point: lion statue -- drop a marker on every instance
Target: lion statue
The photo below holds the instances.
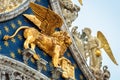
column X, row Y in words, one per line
column 54, row 45
column 52, row 42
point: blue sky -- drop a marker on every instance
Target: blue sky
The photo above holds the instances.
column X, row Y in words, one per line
column 103, row 15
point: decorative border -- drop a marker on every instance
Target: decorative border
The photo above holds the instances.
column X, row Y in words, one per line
column 73, row 48
column 11, row 14
column 14, row 65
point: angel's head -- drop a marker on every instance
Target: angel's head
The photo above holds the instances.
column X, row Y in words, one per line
column 87, row 31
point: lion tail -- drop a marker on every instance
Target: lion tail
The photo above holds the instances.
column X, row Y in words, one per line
column 6, row 37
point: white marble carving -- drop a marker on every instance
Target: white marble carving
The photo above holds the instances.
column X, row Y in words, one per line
column 11, row 69
column 6, row 14
column 69, row 11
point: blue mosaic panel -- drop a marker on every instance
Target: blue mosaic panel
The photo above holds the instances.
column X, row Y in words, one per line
column 12, row 48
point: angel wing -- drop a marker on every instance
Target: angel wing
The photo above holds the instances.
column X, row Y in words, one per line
column 80, row 1
column 105, row 46
column 49, row 19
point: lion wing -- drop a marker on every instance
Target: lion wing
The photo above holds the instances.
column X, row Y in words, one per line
column 49, row 19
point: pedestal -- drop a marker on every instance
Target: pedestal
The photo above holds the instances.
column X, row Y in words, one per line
column 27, row 54
column 56, row 73
column 40, row 64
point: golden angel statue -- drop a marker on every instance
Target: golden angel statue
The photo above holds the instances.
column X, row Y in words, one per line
column 53, row 42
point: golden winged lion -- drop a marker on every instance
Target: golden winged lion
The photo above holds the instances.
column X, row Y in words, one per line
column 54, row 43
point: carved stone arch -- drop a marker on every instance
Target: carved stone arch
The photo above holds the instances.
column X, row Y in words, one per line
column 15, row 70
column 6, row 15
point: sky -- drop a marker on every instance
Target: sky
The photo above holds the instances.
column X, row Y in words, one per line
column 104, row 16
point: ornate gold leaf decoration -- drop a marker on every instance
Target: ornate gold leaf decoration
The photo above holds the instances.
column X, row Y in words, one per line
column 9, row 5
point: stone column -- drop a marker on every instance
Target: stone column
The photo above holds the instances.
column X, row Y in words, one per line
column 56, row 73
column 3, row 75
column 27, row 53
column 40, row 64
